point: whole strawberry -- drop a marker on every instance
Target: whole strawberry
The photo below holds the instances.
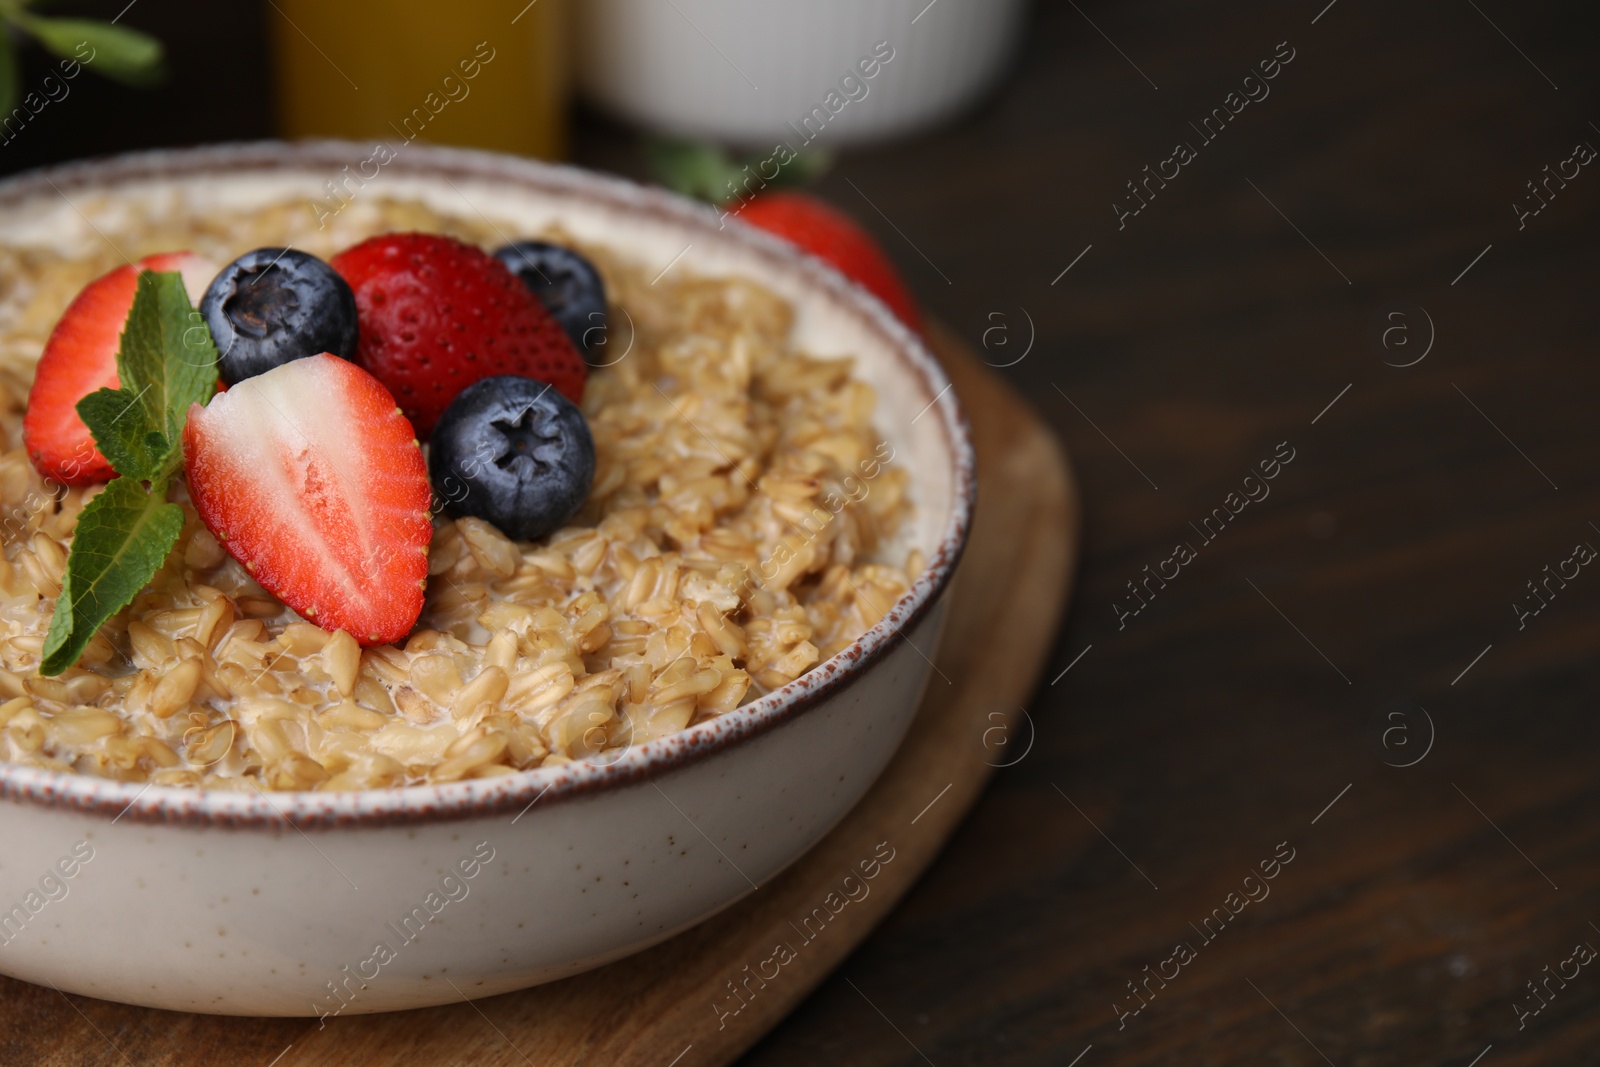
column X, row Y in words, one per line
column 831, row 235
column 437, row 315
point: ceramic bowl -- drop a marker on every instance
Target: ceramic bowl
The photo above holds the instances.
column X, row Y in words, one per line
column 318, row 903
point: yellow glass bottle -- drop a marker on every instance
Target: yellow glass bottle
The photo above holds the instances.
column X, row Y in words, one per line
column 479, row 73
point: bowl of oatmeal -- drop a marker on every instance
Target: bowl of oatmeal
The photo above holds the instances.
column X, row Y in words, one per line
column 590, row 741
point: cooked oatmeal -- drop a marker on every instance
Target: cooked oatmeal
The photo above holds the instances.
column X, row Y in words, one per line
column 740, row 530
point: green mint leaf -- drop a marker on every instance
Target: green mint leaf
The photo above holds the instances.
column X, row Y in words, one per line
column 117, row 52
column 167, row 361
column 118, row 424
column 10, row 76
column 123, row 537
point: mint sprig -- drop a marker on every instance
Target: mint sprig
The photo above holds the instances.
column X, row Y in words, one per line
column 166, row 362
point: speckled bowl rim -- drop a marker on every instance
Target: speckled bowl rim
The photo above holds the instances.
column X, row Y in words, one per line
column 415, row 805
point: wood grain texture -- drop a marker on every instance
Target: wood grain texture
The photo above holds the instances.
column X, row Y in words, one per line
column 1188, row 344
column 645, row 1010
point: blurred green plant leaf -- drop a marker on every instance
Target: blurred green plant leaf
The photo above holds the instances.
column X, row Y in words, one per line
column 117, row 52
column 806, row 167
column 694, row 169
column 708, row 172
column 10, row 78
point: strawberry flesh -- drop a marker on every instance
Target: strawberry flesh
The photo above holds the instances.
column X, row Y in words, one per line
column 311, row 477
column 81, row 357
column 437, row 315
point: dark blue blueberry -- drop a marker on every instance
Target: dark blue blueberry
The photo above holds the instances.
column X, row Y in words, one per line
column 514, row 452
column 567, row 285
column 274, row 305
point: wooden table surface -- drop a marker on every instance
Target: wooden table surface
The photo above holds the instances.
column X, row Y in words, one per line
column 1349, row 671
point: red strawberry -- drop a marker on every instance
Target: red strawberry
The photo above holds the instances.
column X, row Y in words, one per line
column 310, row 477
column 80, row 357
column 831, row 235
column 437, row 315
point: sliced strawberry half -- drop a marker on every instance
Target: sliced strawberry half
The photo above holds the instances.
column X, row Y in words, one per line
column 311, row 477
column 80, row 357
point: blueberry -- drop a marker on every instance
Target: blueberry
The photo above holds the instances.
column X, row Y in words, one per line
column 568, row 286
column 274, row 305
column 514, row 452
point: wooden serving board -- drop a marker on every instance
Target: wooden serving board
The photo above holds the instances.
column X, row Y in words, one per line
column 645, row 1010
